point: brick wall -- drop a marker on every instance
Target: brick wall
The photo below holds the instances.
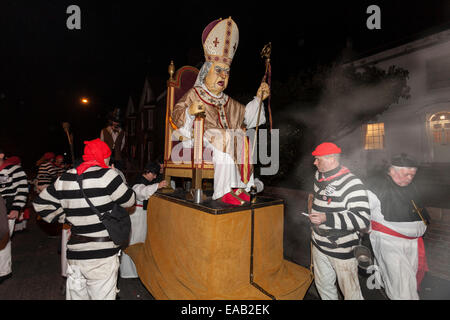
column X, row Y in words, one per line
column 437, row 242
column 297, row 232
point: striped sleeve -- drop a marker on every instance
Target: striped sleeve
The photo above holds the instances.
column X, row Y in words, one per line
column 48, row 205
column 20, row 184
column 354, row 200
column 120, row 192
column 44, row 174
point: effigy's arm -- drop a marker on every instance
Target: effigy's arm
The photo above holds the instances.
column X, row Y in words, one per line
column 181, row 117
column 179, row 111
column 251, row 113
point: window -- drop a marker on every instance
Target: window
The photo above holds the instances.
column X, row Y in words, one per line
column 374, row 138
column 440, row 128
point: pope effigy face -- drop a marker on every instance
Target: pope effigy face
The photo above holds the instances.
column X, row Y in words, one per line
column 217, row 78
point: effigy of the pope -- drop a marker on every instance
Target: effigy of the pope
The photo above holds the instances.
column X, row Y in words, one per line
column 226, row 243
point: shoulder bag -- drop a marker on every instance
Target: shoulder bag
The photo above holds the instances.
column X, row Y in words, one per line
column 117, row 221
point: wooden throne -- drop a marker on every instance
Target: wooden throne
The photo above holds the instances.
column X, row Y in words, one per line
column 195, row 162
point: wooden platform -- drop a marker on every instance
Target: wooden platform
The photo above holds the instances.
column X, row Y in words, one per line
column 216, row 251
column 217, row 207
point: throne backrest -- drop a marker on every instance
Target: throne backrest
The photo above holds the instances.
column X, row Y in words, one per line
column 177, row 86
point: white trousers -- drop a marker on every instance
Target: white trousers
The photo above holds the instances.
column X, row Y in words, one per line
column 93, row 279
column 5, row 253
column 226, row 175
column 22, row 225
column 64, row 239
column 138, row 234
column 326, row 269
column 397, row 259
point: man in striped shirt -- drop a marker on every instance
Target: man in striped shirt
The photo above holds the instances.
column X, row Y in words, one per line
column 93, row 258
column 14, row 190
column 340, row 211
column 47, row 172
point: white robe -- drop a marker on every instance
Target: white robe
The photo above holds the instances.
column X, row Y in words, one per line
column 397, row 258
column 5, row 253
column 226, row 174
column 138, row 228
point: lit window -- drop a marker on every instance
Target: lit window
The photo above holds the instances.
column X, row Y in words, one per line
column 440, row 128
column 374, row 138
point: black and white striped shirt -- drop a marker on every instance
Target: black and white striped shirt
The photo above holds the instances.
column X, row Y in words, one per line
column 47, row 173
column 14, row 187
column 63, row 201
column 343, row 198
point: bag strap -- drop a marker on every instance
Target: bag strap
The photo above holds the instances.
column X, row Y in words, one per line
column 80, row 183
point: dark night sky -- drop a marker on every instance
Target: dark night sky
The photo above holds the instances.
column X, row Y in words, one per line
column 45, row 68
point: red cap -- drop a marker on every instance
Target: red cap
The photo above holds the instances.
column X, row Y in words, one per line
column 95, row 153
column 49, row 155
column 326, row 148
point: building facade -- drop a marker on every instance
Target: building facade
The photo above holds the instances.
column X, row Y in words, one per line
column 420, row 125
column 144, row 125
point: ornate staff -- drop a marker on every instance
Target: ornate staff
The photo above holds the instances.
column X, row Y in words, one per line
column 265, row 53
column 66, row 127
column 425, row 221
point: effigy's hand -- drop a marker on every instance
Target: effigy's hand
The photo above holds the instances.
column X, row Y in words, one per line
column 263, row 91
column 196, row 108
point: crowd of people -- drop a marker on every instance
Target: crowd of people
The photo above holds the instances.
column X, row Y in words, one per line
column 89, row 258
column 386, row 208
column 344, row 209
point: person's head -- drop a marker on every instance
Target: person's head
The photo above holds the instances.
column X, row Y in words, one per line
column 59, row 159
column 115, row 125
column 49, row 156
column 216, row 80
column 403, row 169
column 114, row 120
column 220, row 40
column 96, row 152
column 326, row 156
column 159, row 160
column 151, row 171
column 2, row 155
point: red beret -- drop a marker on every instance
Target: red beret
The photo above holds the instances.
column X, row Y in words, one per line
column 326, row 148
column 49, row 155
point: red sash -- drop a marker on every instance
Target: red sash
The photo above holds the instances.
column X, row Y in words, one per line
column 422, row 265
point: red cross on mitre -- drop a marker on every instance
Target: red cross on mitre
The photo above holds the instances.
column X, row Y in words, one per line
column 216, row 42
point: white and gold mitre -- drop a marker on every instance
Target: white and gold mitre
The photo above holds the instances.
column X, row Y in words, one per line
column 220, row 41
